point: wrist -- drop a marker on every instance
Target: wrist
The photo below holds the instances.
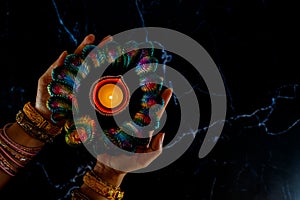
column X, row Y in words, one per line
column 100, row 183
column 16, row 149
column 43, row 110
column 36, row 125
column 18, row 134
column 108, row 174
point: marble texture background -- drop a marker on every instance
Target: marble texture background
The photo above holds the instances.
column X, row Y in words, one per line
column 254, row 44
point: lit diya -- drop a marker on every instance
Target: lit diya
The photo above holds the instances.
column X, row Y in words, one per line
column 110, row 95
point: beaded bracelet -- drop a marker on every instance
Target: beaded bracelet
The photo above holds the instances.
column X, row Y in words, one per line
column 99, row 186
column 36, row 125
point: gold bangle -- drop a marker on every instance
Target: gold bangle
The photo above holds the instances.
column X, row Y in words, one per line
column 78, row 195
column 36, row 125
column 99, row 186
column 31, row 130
column 39, row 121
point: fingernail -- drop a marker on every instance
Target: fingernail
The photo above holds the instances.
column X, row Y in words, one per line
column 90, row 38
column 62, row 54
column 107, row 37
column 162, row 138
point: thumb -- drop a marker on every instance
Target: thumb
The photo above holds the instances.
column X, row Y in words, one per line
column 157, row 142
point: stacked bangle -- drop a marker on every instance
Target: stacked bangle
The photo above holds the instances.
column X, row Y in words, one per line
column 36, row 125
column 99, row 186
column 78, row 195
column 14, row 156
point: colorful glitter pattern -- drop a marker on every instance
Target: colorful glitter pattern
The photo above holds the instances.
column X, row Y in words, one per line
column 77, row 67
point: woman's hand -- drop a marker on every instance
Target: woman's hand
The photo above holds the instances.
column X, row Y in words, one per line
column 112, row 169
column 134, row 161
column 42, row 91
column 120, row 163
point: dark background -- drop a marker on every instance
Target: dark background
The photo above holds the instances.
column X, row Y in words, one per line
column 254, row 44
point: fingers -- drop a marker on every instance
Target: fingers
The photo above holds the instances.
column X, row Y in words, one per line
column 46, row 77
column 157, row 142
column 166, row 96
column 89, row 39
column 42, row 92
column 108, row 38
column 61, row 58
column 153, row 151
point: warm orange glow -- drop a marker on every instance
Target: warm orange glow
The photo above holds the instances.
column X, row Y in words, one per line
column 110, row 95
